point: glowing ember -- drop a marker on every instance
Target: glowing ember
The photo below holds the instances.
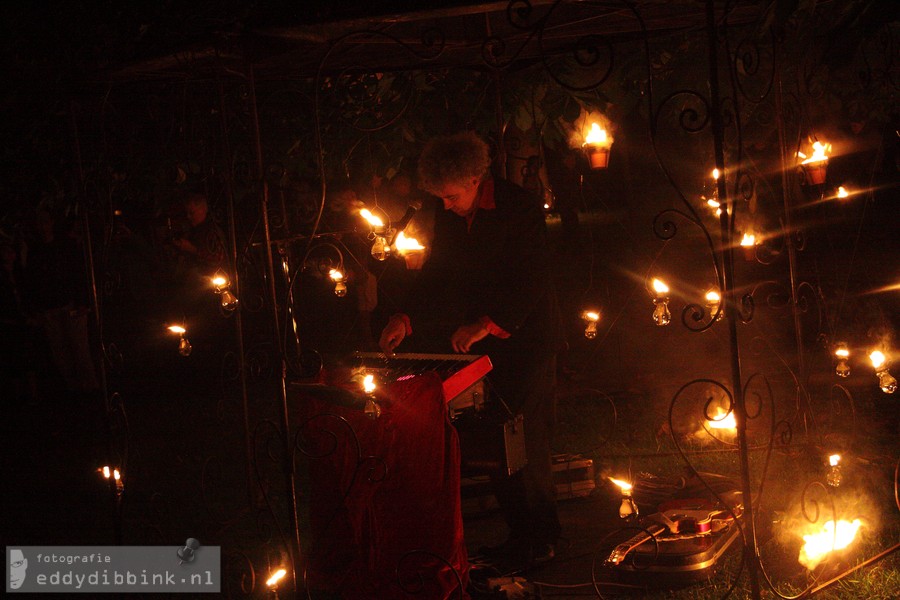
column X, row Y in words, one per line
column 623, row 485
column 659, row 287
column 842, row 192
column 722, row 420
column 369, row 384
column 404, row 244
column 597, row 136
column 820, row 151
column 819, row 544
column 276, row 577
column 590, row 315
column 336, row 275
column 177, row 329
column 878, row 359
column 834, row 459
column 372, row 219
column 748, row 240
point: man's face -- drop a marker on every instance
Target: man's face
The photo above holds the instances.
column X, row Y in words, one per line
column 196, row 212
column 17, row 566
column 459, row 196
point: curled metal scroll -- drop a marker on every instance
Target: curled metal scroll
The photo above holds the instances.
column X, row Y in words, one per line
column 411, row 579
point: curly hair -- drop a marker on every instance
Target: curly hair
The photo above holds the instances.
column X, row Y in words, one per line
column 452, row 159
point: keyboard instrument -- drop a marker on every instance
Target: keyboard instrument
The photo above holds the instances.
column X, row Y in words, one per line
column 462, row 374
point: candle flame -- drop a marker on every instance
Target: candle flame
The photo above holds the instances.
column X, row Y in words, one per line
column 276, row 577
column 372, row 219
column 834, row 459
column 116, row 475
column 818, row 544
column 597, row 136
column 748, row 240
column 404, row 244
column 623, row 485
column 590, row 315
column 715, row 173
column 842, row 192
column 722, row 420
column 177, row 329
column 659, row 287
column 820, row 151
column 105, row 470
column 369, row 383
column 336, row 275
column 878, row 359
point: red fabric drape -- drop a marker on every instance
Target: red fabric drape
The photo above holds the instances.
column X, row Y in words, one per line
column 385, row 514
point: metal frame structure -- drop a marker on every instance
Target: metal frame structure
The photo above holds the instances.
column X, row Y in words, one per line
column 271, row 444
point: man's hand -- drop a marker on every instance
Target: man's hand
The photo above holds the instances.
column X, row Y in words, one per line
column 463, row 338
column 391, row 336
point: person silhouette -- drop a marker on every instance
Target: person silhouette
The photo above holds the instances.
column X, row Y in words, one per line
column 18, row 565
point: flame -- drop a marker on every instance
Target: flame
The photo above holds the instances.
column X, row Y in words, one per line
column 819, row 153
column 369, row 383
column 722, row 420
column 713, row 203
column 834, row 459
column 597, row 136
column 336, row 275
column 404, row 244
column 878, row 359
column 177, row 329
column 842, row 192
column 276, row 577
column 748, row 240
column 715, row 173
column 713, row 297
column 116, row 475
column 659, row 287
column 841, row 351
column 623, row 485
column 590, row 315
column 821, row 543
column 105, row 470
column 219, row 281
column 372, row 219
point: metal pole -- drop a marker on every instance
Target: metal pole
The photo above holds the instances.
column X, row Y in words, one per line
column 235, row 278
column 282, row 391
column 95, row 317
column 727, row 252
column 789, row 240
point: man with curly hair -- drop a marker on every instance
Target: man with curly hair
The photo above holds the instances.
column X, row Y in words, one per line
column 487, row 289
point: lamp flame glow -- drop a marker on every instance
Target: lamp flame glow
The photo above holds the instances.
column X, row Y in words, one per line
column 598, row 137
column 722, row 420
column 715, row 174
column 372, row 219
column 623, row 485
column 659, row 287
column 834, row 459
column 818, row 545
column 404, row 244
column 369, row 383
column 177, row 329
column 275, row 578
column 878, row 359
column 820, row 151
column 842, row 192
column 748, row 240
